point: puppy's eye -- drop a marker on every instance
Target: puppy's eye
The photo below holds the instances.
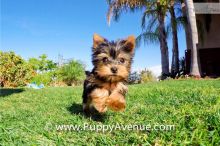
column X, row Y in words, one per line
column 105, row 59
column 122, row 60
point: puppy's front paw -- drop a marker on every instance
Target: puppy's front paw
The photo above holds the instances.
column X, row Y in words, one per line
column 122, row 88
column 116, row 102
column 99, row 97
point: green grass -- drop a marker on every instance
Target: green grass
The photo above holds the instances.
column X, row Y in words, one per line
column 29, row 117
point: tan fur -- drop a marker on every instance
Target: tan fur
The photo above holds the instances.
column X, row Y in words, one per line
column 102, row 55
column 97, row 40
column 130, row 42
column 104, row 70
column 99, row 97
column 116, row 101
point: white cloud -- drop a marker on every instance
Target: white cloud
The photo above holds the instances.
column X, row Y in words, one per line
column 156, row 70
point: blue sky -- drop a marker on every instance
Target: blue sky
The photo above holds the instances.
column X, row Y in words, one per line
column 33, row 27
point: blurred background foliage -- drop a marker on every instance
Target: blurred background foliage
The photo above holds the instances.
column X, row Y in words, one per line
column 16, row 72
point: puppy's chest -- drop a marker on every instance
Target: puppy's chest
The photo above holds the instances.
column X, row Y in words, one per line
column 109, row 86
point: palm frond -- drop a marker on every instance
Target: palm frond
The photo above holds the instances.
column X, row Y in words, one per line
column 109, row 14
column 181, row 22
column 152, row 24
column 151, row 15
column 147, row 37
column 116, row 7
column 168, row 31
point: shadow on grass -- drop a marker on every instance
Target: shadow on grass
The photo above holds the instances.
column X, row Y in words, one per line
column 77, row 109
column 9, row 91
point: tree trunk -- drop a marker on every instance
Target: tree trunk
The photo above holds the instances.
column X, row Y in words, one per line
column 194, row 69
column 175, row 55
column 187, row 31
column 163, row 47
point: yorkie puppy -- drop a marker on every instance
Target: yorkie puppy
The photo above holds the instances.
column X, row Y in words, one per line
column 105, row 86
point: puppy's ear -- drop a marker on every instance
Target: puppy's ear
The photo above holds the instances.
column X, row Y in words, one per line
column 129, row 44
column 97, row 40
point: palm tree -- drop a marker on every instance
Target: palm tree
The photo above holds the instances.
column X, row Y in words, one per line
column 175, row 50
column 156, row 12
column 193, row 37
column 161, row 12
column 178, row 20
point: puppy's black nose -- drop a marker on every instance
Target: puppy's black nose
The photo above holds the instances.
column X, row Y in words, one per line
column 114, row 70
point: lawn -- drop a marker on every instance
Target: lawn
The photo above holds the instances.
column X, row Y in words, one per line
column 33, row 117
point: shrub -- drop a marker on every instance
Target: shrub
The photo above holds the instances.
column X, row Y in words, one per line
column 147, row 76
column 72, row 73
column 45, row 69
column 134, row 78
column 42, row 64
column 44, row 78
column 14, row 71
